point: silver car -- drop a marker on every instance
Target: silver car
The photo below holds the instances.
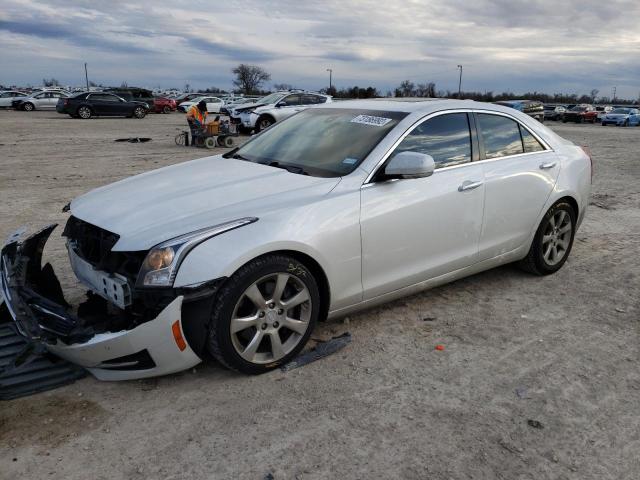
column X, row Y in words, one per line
column 46, row 100
column 336, row 209
column 9, row 96
column 265, row 115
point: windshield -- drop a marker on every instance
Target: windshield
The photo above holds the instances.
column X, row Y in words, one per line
column 621, row 110
column 322, row 142
column 274, row 97
column 579, row 109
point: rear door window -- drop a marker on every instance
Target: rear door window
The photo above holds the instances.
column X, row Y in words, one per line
column 501, row 136
column 529, row 142
column 446, row 138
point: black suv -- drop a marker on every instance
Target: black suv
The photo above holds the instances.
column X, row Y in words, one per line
column 101, row 104
column 134, row 94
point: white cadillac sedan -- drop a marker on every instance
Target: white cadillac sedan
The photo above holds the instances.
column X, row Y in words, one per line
column 333, row 210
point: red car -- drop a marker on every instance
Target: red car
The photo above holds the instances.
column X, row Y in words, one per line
column 580, row 114
column 164, row 105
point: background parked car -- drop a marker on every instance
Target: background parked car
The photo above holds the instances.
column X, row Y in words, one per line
column 186, row 97
column 602, row 111
column 134, row 94
column 164, row 105
column 214, row 104
column 86, row 105
column 554, row 112
column 264, row 116
column 580, row 114
column 622, row 117
column 45, row 100
column 532, row 108
column 8, row 96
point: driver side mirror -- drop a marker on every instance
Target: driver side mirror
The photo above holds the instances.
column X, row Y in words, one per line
column 410, row 165
column 281, row 104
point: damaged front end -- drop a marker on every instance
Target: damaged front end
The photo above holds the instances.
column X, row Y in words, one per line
column 119, row 332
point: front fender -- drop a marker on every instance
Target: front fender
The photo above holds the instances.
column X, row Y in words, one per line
column 329, row 235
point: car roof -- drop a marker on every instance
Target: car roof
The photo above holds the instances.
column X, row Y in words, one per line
column 411, row 105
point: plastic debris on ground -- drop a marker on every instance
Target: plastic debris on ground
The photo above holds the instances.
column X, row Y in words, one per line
column 321, row 350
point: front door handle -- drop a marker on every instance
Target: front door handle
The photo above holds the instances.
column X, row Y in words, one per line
column 468, row 185
column 547, row 166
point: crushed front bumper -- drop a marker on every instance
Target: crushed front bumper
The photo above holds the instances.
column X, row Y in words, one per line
column 34, row 299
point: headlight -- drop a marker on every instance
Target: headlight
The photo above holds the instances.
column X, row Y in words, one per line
column 161, row 264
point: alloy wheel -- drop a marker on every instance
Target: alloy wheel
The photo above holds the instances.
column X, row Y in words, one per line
column 271, row 318
column 557, row 238
column 265, row 123
column 84, row 112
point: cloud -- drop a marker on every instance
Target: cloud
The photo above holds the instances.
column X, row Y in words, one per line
column 518, row 45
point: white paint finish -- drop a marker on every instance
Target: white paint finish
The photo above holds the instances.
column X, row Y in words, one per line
column 516, row 191
column 324, row 227
column 156, row 336
column 148, row 209
column 419, row 228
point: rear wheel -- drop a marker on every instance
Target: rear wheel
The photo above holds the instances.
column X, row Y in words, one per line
column 166, row 109
column 264, row 314
column 84, row 112
column 553, row 241
column 28, row 107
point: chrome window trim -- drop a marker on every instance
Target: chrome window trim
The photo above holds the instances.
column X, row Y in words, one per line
column 545, row 145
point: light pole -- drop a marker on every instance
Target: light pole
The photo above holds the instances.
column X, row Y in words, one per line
column 613, row 91
column 86, row 76
column 330, row 74
column 460, row 82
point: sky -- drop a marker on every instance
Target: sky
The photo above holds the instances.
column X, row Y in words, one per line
column 570, row 46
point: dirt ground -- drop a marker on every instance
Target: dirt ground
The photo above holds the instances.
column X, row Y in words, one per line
column 561, row 350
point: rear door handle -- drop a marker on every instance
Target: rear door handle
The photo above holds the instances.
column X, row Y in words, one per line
column 547, row 166
column 469, row 185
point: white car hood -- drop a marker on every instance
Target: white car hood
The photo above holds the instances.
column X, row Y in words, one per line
column 150, row 208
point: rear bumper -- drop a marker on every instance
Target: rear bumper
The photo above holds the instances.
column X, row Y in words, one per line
column 34, row 299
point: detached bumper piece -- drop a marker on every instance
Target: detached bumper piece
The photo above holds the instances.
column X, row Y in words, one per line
column 26, row 368
column 99, row 342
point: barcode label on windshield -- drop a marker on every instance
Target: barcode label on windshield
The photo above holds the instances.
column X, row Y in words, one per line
column 371, row 120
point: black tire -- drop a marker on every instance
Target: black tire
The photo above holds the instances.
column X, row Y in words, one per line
column 166, row 109
column 84, row 112
column 626, row 123
column 535, row 262
column 139, row 112
column 580, row 119
column 28, row 107
column 220, row 341
column 564, row 120
column 244, row 130
column 263, row 123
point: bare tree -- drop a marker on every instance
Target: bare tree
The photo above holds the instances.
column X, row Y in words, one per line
column 50, row 82
column 283, row 86
column 426, row 90
column 249, row 78
column 406, row 89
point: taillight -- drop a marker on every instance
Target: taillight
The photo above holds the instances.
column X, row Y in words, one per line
column 587, row 151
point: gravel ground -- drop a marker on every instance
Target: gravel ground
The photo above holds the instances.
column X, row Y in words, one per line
column 560, row 350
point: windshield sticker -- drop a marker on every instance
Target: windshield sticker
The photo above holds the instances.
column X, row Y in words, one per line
column 350, row 161
column 371, row 120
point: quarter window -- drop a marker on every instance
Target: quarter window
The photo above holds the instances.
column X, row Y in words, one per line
column 530, row 143
column 501, row 136
column 446, row 138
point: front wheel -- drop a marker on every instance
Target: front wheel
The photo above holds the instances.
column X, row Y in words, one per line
column 166, row 109
column 28, row 107
column 553, row 241
column 139, row 112
column 264, row 314
column 263, row 123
